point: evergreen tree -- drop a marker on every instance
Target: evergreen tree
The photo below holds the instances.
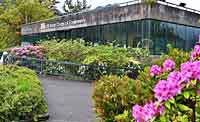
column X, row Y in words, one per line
column 71, row 6
column 51, row 4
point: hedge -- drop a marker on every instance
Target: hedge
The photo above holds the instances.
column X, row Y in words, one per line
column 21, row 94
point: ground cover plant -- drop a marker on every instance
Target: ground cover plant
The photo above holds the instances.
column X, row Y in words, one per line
column 21, row 94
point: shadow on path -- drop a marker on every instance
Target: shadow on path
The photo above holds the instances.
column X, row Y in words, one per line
column 69, row 101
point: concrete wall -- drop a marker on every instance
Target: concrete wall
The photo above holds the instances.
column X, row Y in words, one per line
column 114, row 14
column 176, row 15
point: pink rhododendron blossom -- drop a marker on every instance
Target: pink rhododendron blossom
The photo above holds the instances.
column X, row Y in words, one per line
column 168, row 65
column 190, row 71
column 155, row 70
column 148, row 111
column 174, row 77
column 167, row 89
column 28, row 51
column 138, row 113
column 196, row 53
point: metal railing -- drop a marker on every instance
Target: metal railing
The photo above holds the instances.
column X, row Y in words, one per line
column 71, row 71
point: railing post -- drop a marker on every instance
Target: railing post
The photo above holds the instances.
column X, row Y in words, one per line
column 41, row 66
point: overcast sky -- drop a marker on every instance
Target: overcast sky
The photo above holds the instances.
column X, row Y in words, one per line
column 195, row 4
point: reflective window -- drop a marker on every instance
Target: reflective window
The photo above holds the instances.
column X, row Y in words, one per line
column 153, row 34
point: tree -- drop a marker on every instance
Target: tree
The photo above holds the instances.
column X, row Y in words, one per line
column 14, row 14
column 70, row 6
column 51, row 4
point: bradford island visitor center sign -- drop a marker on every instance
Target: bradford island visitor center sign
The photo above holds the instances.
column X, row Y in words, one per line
column 50, row 26
column 46, row 27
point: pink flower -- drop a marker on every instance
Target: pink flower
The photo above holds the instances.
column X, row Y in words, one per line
column 190, row 71
column 155, row 70
column 174, row 77
column 28, row 51
column 148, row 111
column 196, row 52
column 168, row 65
column 165, row 90
column 138, row 113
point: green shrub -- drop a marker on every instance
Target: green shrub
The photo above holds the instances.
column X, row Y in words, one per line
column 100, row 59
column 79, row 51
column 108, row 56
column 147, row 82
column 178, row 55
column 125, row 117
column 113, row 95
column 65, row 50
column 21, row 94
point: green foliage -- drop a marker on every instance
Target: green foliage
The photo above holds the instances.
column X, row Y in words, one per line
column 21, row 94
column 178, row 109
column 177, row 55
column 74, row 51
column 150, row 2
column 147, row 82
column 125, row 117
column 112, row 96
column 79, row 51
column 109, row 56
column 14, row 14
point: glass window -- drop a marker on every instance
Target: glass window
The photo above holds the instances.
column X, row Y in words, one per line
column 181, row 36
column 190, row 38
column 152, row 33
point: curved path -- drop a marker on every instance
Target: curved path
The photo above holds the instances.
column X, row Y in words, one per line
column 69, row 101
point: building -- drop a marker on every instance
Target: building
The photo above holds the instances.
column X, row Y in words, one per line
column 131, row 24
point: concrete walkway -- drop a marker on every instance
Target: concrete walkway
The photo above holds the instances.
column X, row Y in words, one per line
column 69, row 101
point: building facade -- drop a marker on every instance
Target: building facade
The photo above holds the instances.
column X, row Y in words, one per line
column 133, row 24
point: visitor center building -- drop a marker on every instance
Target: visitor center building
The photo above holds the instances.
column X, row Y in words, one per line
column 131, row 24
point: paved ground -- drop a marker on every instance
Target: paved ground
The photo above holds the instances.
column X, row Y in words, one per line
column 69, row 101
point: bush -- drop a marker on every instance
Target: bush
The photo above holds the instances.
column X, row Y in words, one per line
column 79, row 51
column 28, row 51
column 147, row 82
column 178, row 55
column 112, row 96
column 135, row 91
column 99, row 59
column 21, row 94
column 109, row 56
column 65, row 50
column 175, row 89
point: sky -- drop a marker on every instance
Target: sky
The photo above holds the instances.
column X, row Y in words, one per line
column 195, row 4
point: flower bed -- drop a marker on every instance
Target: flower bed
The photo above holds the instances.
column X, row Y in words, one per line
column 112, row 100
